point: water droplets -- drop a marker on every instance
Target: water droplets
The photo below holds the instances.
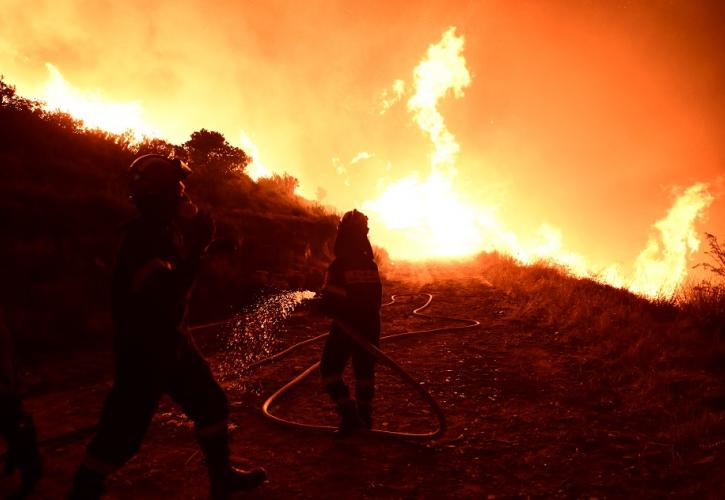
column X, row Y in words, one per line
column 255, row 332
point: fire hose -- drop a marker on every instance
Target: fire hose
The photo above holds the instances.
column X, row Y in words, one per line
column 381, row 357
column 82, row 432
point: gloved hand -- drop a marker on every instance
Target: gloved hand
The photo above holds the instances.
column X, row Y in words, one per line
column 328, row 305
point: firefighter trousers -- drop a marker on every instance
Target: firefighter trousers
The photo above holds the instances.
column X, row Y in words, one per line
column 134, row 398
column 339, row 348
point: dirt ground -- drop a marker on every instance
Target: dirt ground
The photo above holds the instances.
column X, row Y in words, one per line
column 524, row 418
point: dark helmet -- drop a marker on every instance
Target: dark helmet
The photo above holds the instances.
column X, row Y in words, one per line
column 354, row 222
column 153, row 175
column 352, row 235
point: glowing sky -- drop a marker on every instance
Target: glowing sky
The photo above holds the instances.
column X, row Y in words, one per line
column 581, row 114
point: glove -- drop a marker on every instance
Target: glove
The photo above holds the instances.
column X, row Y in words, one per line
column 330, row 305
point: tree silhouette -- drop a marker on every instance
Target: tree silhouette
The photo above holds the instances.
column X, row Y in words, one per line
column 9, row 98
column 209, row 154
column 156, row 146
column 63, row 202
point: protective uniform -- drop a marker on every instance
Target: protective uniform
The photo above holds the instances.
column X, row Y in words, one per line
column 153, row 351
column 16, row 425
column 351, row 296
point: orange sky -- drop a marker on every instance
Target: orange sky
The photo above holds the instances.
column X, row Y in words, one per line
column 581, row 114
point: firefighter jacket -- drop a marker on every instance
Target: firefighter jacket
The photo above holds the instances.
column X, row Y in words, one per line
column 353, row 291
column 152, row 283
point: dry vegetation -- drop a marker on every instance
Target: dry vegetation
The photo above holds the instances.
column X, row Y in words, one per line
column 63, row 204
column 663, row 358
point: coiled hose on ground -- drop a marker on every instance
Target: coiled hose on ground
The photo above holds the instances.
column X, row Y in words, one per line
column 380, row 356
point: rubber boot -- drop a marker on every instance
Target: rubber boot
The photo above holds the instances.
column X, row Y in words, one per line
column 365, row 413
column 349, row 419
column 225, row 479
column 87, row 485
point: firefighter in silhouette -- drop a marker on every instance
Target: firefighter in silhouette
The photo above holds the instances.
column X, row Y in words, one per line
column 16, row 426
column 351, row 296
column 154, row 352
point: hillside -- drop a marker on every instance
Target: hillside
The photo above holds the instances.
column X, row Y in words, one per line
column 63, row 203
column 568, row 389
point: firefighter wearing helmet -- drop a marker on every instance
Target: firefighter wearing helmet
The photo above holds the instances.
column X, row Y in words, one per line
column 154, row 352
column 351, row 296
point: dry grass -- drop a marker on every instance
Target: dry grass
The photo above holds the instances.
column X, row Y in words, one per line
column 664, row 360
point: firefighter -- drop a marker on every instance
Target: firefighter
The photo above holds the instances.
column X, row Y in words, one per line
column 153, row 350
column 351, row 296
column 16, row 425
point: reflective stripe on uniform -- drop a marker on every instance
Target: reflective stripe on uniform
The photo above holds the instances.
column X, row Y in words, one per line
column 148, row 269
column 100, row 466
column 361, row 276
column 212, row 429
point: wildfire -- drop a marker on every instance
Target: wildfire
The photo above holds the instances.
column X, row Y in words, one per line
column 429, row 218
column 662, row 265
column 256, row 168
column 417, row 219
column 93, row 108
column 425, row 219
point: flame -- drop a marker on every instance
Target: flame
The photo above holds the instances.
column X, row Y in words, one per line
column 418, row 219
column 433, row 220
column 444, row 69
column 390, row 96
column 256, row 168
column 662, row 265
column 423, row 219
column 93, row 108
